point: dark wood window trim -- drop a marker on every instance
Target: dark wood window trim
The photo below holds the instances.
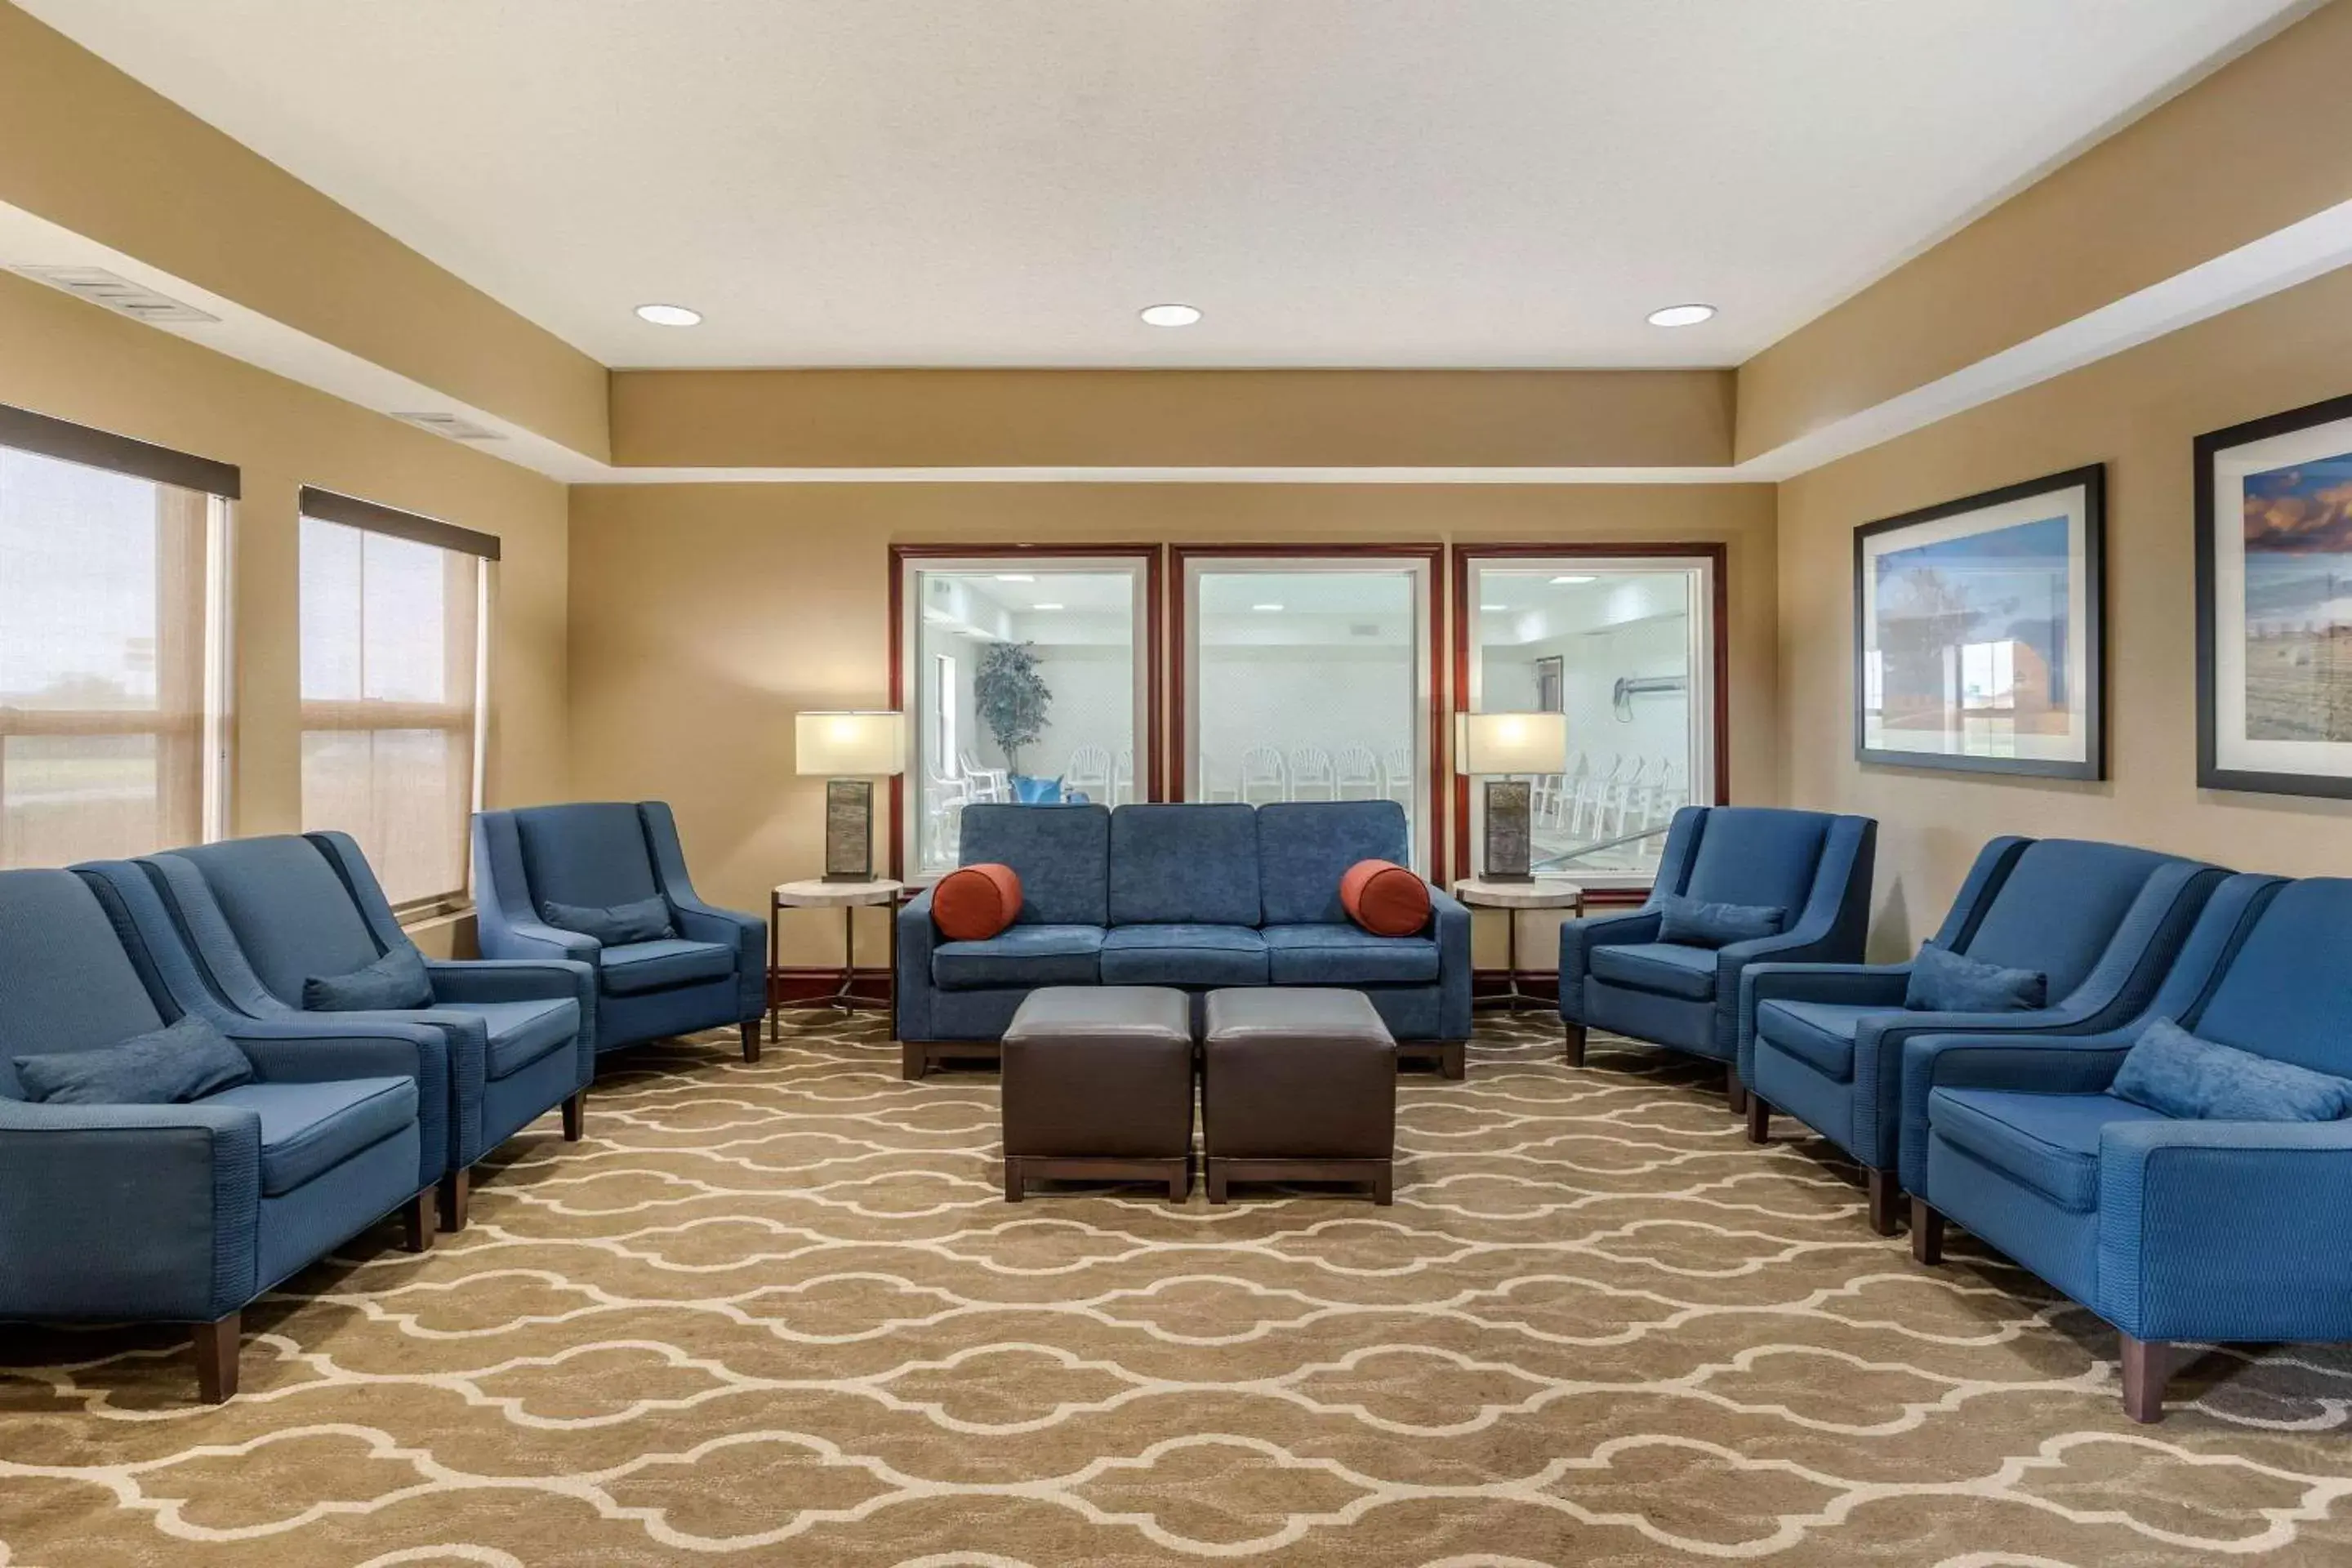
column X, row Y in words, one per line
column 29, row 432
column 1432, row 555
column 1151, row 753
column 375, row 518
column 1466, row 556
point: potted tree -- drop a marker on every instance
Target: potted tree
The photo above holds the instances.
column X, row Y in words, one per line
column 1013, row 701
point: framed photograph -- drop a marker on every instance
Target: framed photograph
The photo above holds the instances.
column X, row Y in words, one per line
column 2275, row 604
column 1976, row 636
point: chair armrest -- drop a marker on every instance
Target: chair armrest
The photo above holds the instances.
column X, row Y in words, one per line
column 910, row 990
column 2225, row 1229
column 747, row 934
column 457, row 981
column 1579, row 937
column 536, row 941
column 2050, row 1064
column 1449, row 924
column 316, row 1047
column 129, row 1211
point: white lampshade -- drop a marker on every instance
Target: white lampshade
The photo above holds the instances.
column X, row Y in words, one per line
column 862, row 744
column 1510, row 743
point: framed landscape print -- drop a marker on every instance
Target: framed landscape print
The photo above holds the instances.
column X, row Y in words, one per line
column 2275, row 604
column 1977, row 638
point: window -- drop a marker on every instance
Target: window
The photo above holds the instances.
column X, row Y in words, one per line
column 392, row 615
column 112, row 598
column 1625, row 646
column 1310, row 677
column 1032, row 677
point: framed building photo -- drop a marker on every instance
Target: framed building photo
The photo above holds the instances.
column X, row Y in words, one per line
column 2275, row 604
column 1977, row 640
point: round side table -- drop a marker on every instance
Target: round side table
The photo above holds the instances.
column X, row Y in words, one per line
column 1511, row 897
column 816, row 893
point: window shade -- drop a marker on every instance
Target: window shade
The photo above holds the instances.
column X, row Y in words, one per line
column 391, row 633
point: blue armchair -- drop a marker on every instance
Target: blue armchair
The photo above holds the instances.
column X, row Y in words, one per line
column 600, row 855
column 1824, row 1042
column 1614, row 972
column 187, row 1213
column 262, row 915
column 2170, row 1230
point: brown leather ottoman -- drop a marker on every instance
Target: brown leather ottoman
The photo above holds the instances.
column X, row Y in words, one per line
column 1097, row 1084
column 1297, row 1085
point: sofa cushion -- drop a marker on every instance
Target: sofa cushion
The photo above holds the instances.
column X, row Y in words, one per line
column 1304, row 846
column 1385, row 899
column 1062, row 854
column 1320, row 955
column 71, row 986
column 1943, row 980
column 2048, row 1142
column 396, row 982
column 1690, row 923
column 289, row 908
column 1183, row 953
column 1664, row 967
column 2059, row 907
column 1023, row 955
column 2284, row 994
column 171, row 1066
column 639, row 920
column 973, row 903
column 1757, row 855
column 1817, row 1034
column 2171, row 1070
column 637, row 966
column 522, row 1032
column 1184, row 865
column 588, row 854
column 308, row 1129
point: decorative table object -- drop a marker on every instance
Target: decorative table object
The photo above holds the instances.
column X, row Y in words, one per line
column 823, row 893
column 1503, row 744
column 849, row 751
column 1487, row 893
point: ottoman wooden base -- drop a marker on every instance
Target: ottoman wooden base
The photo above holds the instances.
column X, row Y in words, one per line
column 1379, row 1173
column 1020, row 1170
column 1450, row 1057
column 917, row 1057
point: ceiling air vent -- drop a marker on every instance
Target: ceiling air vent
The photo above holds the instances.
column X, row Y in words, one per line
column 116, row 292
column 451, row 426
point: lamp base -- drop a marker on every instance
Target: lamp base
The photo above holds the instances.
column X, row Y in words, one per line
column 849, row 830
column 1509, row 804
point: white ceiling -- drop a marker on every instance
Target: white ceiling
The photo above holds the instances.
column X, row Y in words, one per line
column 1334, row 182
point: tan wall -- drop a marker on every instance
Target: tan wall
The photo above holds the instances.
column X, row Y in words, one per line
column 1172, row 418
column 2137, row 413
column 705, row 616
column 77, row 361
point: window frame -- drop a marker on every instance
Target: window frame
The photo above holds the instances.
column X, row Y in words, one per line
column 908, row 561
column 1425, row 563
column 1710, row 557
column 319, row 505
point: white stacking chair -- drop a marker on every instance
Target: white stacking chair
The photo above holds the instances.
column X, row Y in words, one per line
column 1089, row 773
column 1358, row 775
column 985, row 785
column 1312, row 777
column 1396, row 775
column 1262, row 777
column 1122, row 778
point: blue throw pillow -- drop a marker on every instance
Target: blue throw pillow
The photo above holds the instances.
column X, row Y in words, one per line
column 647, row 919
column 1027, row 791
column 1691, row 923
column 2171, row 1070
column 396, row 983
column 170, row 1066
column 1943, row 980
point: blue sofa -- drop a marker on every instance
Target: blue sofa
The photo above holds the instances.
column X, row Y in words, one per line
column 1198, row 896
column 1614, row 972
column 262, row 915
column 600, row 854
column 2170, row 1230
column 1824, row 1042
column 187, row 1213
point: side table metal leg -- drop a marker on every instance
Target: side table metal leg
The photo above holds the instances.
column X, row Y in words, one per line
column 775, row 950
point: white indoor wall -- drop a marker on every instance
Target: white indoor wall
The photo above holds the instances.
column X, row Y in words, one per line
column 1591, row 663
column 1094, row 704
column 1330, row 696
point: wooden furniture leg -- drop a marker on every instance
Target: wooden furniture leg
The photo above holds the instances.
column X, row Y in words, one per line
column 1575, row 1045
column 575, row 1117
column 456, row 1193
column 751, row 1041
column 2147, row 1367
column 1884, row 1194
column 1453, row 1058
column 913, row 1060
column 1760, row 1119
column 1735, row 1091
column 216, row 1356
column 1927, row 1233
column 1015, row 1188
column 416, row 1223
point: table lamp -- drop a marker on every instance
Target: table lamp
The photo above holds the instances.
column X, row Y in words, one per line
column 1498, row 745
column 849, row 751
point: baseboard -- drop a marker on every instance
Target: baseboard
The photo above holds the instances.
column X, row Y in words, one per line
column 804, row 987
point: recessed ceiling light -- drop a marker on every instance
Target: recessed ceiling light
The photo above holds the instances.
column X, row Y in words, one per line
column 1170, row 315
column 1049, row 606
column 1681, row 315
column 669, row 315
column 1265, row 607
column 1493, row 606
column 1572, row 580
column 1014, row 577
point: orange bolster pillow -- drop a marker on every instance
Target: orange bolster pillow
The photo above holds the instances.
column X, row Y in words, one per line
column 973, row 903
column 1385, row 899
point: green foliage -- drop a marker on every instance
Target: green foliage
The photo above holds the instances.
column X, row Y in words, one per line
column 1011, row 697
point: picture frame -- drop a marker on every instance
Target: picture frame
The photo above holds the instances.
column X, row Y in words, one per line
column 2273, row 632
column 1979, row 632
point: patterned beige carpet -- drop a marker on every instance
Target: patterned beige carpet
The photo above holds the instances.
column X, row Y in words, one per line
column 780, row 1315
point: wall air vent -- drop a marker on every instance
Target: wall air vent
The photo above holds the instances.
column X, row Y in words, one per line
column 451, row 426
column 116, row 292
column 1364, row 629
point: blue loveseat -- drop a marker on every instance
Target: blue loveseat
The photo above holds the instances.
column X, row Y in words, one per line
column 1615, row 972
column 1195, row 897
column 186, row 1213
column 2170, row 1230
column 712, row 974
column 1824, row 1042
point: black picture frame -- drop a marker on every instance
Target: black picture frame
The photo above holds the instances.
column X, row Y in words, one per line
column 2092, row 480
column 2209, row 449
